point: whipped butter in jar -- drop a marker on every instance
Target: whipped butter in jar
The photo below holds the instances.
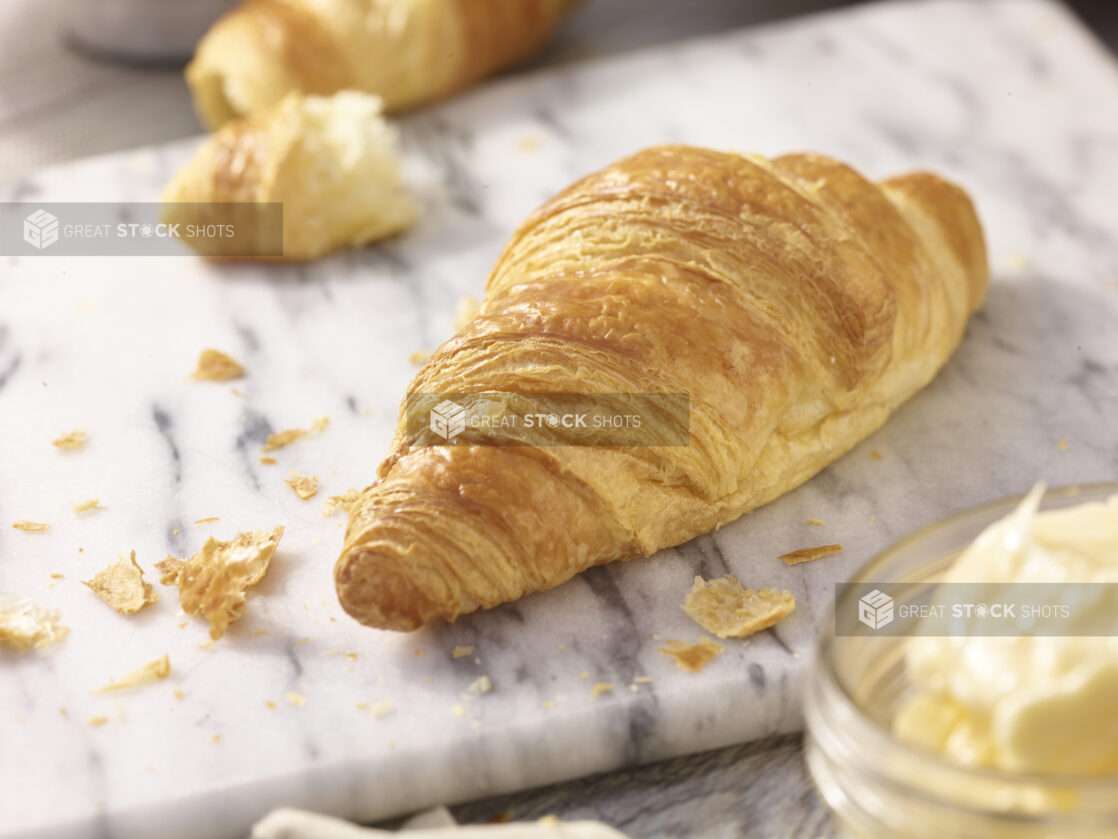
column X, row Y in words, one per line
column 950, row 723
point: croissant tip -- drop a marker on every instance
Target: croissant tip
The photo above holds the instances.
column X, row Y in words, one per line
column 366, row 581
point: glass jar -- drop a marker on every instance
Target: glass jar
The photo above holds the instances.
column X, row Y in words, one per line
column 879, row 787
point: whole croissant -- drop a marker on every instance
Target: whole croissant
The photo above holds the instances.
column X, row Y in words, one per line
column 796, row 302
column 406, row 51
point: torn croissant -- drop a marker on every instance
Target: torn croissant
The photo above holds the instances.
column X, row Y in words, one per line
column 331, row 162
column 797, row 303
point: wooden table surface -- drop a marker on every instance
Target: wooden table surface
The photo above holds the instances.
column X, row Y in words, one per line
column 57, row 104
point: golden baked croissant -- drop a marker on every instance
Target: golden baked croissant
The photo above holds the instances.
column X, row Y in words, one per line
column 406, row 51
column 329, row 161
column 796, row 302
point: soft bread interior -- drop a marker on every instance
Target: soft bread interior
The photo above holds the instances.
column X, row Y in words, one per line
column 345, row 186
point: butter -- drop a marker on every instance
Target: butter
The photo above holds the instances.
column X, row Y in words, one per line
column 1026, row 703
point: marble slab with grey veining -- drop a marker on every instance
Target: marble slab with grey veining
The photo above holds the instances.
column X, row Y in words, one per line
column 1011, row 98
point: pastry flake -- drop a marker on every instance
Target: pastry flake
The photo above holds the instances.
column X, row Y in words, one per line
column 170, row 573
column 810, row 554
column 86, row 506
column 25, row 626
column 305, row 486
column 30, row 526
column 216, row 366
column 601, row 688
column 283, row 438
column 383, row 709
column 727, row 610
column 122, row 586
column 153, row 671
column 213, row 582
column 70, row 440
column 481, row 685
column 692, row 657
column 346, row 502
column 528, row 142
column 461, row 652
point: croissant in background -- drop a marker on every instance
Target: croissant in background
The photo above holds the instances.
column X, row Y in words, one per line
column 406, row 51
column 796, row 302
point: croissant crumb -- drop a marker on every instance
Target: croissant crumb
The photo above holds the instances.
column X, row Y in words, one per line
column 25, row 626
column 692, row 657
column 213, row 583
column 727, row 610
column 70, row 440
column 601, row 688
column 305, row 486
column 810, row 554
column 216, row 366
column 153, row 671
column 121, row 585
column 345, row 501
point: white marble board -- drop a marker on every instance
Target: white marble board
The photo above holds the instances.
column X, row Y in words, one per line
column 1012, row 98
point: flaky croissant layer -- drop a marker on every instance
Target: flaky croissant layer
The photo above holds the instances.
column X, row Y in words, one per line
column 797, row 304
